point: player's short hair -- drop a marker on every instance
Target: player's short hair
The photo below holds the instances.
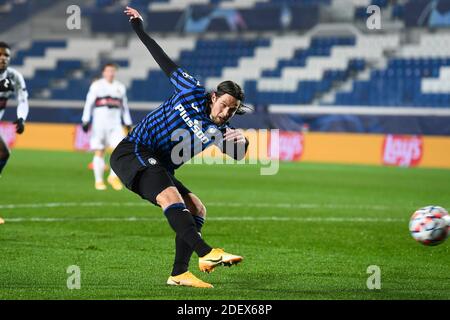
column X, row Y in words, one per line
column 234, row 90
column 109, row 64
column 4, row 45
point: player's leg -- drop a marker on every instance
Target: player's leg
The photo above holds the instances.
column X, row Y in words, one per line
column 215, row 257
column 99, row 168
column 183, row 251
column 156, row 185
column 4, row 154
column 98, row 145
column 114, row 138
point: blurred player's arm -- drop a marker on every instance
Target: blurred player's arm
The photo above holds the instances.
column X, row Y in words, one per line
column 90, row 101
column 165, row 63
column 234, row 144
column 126, row 116
column 22, row 107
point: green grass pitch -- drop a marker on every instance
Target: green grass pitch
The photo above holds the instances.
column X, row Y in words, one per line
column 309, row 232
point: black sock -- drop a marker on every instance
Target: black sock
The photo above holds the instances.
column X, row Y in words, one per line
column 199, row 221
column 182, row 222
column 183, row 255
column 183, row 252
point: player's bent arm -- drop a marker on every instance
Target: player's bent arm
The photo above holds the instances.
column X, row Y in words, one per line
column 90, row 100
column 161, row 58
column 22, row 96
column 238, row 149
column 126, row 116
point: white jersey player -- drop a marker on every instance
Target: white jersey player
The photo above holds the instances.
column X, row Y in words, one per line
column 11, row 84
column 107, row 103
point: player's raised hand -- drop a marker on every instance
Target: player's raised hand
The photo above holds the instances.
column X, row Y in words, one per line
column 132, row 13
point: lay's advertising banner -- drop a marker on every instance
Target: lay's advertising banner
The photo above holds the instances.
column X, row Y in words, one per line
column 343, row 148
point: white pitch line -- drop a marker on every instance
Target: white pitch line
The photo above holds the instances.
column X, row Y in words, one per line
column 273, row 218
column 215, row 204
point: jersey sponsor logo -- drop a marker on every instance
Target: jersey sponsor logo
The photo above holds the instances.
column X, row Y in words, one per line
column 109, row 102
column 195, row 128
column 152, row 161
column 400, row 150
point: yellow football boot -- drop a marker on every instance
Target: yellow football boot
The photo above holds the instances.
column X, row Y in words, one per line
column 215, row 258
column 189, row 280
column 115, row 183
column 100, row 185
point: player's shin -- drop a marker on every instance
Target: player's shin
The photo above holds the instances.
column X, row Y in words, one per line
column 182, row 222
column 183, row 251
column 99, row 168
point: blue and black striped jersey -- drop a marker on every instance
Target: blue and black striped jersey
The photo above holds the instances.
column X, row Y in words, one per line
column 180, row 128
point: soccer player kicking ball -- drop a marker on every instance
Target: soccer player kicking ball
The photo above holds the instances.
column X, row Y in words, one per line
column 108, row 98
column 146, row 159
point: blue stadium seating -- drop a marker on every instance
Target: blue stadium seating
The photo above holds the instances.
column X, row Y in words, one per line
column 319, row 47
column 37, row 49
column 397, row 85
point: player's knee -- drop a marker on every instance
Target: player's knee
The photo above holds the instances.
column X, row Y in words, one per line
column 201, row 211
column 169, row 197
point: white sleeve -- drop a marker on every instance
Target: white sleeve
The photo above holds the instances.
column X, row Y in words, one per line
column 22, row 98
column 126, row 110
column 90, row 100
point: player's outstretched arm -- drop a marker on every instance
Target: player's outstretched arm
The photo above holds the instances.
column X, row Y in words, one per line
column 164, row 62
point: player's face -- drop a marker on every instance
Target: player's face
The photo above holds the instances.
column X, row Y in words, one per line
column 109, row 73
column 5, row 57
column 223, row 108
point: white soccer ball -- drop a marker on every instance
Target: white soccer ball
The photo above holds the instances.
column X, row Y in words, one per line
column 430, row 225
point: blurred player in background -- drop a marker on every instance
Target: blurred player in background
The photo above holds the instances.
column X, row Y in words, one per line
column 108, row 98
column 11, row 84
column 145, row 163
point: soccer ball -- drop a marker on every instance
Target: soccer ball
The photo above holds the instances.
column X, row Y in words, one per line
column 430, row 225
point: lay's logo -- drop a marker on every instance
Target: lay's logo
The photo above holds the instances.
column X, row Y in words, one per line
column 404, row 151
column 286, row 146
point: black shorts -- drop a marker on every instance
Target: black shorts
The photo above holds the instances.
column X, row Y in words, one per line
column 141, row 171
